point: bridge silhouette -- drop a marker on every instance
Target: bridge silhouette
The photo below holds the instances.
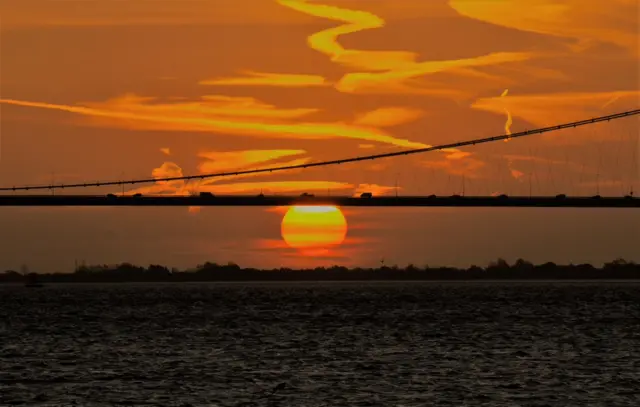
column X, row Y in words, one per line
column 207, row 199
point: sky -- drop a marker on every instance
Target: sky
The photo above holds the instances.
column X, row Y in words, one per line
column 102, row 90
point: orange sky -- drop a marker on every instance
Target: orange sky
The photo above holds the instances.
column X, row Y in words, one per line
column 103, row 90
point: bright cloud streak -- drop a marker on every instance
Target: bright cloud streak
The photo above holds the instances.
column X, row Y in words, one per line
column 218, row 161
column 388, row 116
column 467, row 167
column 396, row 80
column 197, row 117
column 612, row 21
column 269, row 79
column 393, row 68
column 326, row 41
column 205, row 168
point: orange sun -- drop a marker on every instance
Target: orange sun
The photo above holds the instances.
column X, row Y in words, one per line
column 313, row 229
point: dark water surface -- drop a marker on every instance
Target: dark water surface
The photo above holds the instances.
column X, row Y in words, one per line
column 327, row 344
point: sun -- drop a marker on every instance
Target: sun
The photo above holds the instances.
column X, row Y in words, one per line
column 313, row 229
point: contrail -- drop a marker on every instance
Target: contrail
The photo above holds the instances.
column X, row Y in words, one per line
column 344, row 160
column 507, row 125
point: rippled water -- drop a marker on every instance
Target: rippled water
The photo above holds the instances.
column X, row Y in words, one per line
column 325, row 344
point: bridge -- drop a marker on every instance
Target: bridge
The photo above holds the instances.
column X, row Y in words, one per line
column 205, row 199
column 275, row 200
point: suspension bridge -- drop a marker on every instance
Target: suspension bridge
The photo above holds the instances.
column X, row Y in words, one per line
column 365, row 199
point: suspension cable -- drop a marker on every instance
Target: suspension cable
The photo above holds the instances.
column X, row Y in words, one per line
column 339, row 161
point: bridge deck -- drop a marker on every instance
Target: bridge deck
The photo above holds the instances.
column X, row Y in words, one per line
column 274, row 200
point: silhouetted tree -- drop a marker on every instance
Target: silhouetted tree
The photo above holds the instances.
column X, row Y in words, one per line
column 617, row 269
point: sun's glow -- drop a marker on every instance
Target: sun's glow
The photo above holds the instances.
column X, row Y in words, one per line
column 313, row 229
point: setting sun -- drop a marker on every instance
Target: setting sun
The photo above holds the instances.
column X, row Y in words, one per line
column 313, row 229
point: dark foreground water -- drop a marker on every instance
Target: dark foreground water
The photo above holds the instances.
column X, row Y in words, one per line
column 325, row 344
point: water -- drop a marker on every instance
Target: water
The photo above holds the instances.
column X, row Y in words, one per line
column 326, row 344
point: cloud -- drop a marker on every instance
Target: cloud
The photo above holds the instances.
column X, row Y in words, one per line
column 388, row 116
column 326, row 41
column 516, row 173
column 457, row 155
column 612, row 21
column 269, row 79
column 300, row 161
column 398, row 80
column 227, row 161
column 569, row 166
column 276, row 187
column 466, row 166
column 392, row 70
column 556, row 108
column 165, row 151
column 219, row 161
column 167, row 170
column 223, row 114
column 239, row 188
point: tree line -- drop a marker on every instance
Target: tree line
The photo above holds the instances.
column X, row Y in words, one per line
column 498, row 270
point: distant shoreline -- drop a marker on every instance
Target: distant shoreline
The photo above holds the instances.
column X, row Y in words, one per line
column 500, row 270
column 301, row 282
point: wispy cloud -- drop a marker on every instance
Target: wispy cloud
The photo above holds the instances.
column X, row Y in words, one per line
column 218, row 161
column 269, row 79
column 388, row 116
column 392, row 70
column 223, row 114
column 595, row 21
column 398, row 80
column 466, row 166
column 221, row 161
column 245, row 160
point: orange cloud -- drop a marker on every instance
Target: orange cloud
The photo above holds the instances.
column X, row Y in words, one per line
column 467, row 166
column 397, row 80
column 276, row 187
column 165, row 151
column 234, row 117
column 167, row 170
column 181, row 187
column 457, row 155
column 300, row 161
column 269, row 79
column 219, row 161
column 326, row 41
column 266, row 187
column 388, row 116
column 612, row 21
column 516, row 173
column 394, row 70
